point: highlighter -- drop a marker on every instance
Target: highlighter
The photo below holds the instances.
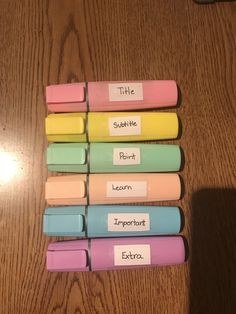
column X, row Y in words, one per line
column 113, row 157
column 115, row 253
column 111, row 221
column 112, row 188
column 111, row 96
column 111, row 126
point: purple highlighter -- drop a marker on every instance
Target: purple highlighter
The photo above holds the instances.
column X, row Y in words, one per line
column 115, row 253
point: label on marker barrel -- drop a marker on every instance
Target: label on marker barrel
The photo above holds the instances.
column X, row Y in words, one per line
column 128, row 125
column 126, row 188
column 122, row 222
column 125, row 91
column 126, row 156
column 129, row 255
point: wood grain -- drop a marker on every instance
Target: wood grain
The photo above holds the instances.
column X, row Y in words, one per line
column 44, row 42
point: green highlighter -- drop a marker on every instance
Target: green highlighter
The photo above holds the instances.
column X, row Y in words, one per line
column 113, row 157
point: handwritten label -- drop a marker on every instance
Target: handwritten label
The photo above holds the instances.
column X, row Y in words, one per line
column 126, row 188
column 130, row 125
column 129, row 255
column 126, row 156
column 123, row 222
column 125, row 91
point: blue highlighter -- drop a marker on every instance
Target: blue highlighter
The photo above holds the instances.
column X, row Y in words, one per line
column 111, row 221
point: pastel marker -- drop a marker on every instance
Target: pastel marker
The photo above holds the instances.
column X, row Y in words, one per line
column 111, row 221
column 113, row 157
column 112, row 188
column 115, row 253
column 111, row 126
column 111, row 96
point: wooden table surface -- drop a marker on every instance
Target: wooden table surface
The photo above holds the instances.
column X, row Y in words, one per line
column 51, row 41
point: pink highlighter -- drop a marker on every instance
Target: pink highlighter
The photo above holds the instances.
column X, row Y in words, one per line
column 111, row 96
column 115, row 253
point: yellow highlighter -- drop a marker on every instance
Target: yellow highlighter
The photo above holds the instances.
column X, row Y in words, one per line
column 111, row 126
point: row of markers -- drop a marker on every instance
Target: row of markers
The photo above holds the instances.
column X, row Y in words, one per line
column 116, row 236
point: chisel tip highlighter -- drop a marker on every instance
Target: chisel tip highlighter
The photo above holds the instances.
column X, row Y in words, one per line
column 111, row 126
column 113, row 157
column 111, row 221
column 111, row 96
column 112, row 188
column 115, row 253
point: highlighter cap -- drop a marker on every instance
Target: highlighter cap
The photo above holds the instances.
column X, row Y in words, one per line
column 68, row 157
column 68, row 256
column 66, row 97
column 66, row 190
column 68, row 127
column 64, row 221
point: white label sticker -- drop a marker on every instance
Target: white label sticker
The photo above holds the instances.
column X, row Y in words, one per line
column 125, row 91
column 130, row 125
column 126, row 156
column 126, row 188
column 128, row 222
column 128, row 255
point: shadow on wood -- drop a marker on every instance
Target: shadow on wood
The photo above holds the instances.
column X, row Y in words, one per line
column 213, row 252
